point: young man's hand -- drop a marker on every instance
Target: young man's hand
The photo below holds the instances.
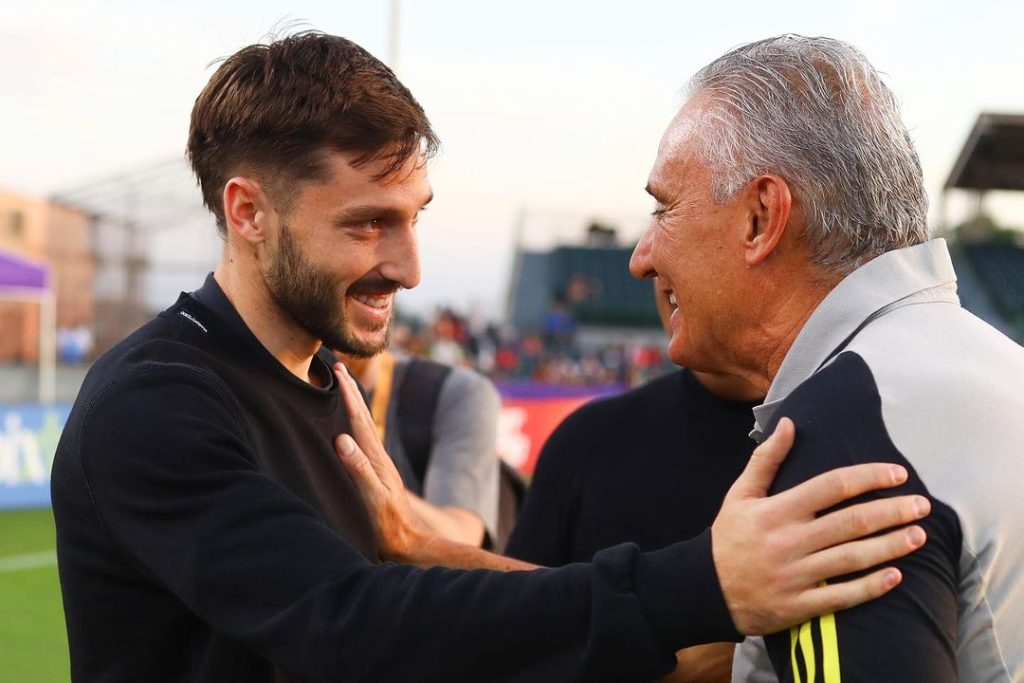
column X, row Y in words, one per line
column 773, row 554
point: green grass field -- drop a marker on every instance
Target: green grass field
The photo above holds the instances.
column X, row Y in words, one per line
column 33, row 643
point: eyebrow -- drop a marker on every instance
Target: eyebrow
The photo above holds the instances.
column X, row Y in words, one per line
column 651, row 190
column 367, row 211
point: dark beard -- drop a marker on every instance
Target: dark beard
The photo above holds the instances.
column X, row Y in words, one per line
column 314, row 299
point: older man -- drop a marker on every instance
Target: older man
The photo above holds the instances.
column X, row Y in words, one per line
column 790, row 233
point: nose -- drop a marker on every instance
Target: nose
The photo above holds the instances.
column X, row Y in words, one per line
column 401, row 261
column 640, row 265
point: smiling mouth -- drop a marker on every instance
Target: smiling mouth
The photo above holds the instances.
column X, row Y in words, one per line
column 374, row 301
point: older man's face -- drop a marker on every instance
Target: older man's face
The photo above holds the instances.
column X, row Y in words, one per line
column 694, row 247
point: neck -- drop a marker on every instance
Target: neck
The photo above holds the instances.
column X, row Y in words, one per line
column 793, row 301
column 729, row 387
column 245, row 287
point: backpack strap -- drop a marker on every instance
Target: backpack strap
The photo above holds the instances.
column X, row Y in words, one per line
column 418, row 393
column 381, row 394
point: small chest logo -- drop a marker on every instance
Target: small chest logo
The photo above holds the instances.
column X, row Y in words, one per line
column 188, row 316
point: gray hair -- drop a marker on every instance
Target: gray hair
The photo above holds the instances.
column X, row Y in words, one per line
column 815, row 112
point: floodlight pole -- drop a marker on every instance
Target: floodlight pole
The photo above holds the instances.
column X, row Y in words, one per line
column 48, row 343
column 394, row 34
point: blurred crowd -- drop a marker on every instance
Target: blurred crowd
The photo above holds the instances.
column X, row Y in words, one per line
column 551, row 354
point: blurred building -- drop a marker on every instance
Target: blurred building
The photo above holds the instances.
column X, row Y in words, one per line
column 152, row 238
column 583, row 292
column 58, row 236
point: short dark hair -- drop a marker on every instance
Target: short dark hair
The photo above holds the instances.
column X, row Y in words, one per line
column 274, row 110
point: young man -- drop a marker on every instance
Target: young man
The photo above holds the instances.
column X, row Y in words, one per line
column 206, row 531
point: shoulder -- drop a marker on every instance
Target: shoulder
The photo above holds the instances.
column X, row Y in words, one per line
column 595, row 429
column 150, row 383
column 603, row 414
column 467, row 384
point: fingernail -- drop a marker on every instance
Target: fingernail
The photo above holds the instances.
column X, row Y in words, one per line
column 346, row 445
column 916, row 536
column 922, row 505
column 892, row 577
column 899, row 474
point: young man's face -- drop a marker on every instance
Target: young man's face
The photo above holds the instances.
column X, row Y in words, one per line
column 344, row 248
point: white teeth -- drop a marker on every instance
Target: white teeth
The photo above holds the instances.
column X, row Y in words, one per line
column 373, row 301
column 672, row 299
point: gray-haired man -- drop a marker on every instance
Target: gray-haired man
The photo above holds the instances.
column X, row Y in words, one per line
column 790, row 232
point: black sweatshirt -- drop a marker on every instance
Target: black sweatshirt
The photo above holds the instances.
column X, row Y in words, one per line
column 206, row 532
column 650, row 466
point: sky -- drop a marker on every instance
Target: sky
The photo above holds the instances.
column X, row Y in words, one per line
column 549, row 112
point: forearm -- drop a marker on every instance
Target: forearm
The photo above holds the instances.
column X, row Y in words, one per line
column 440, row 552
column 711, row 663
column 451, row 523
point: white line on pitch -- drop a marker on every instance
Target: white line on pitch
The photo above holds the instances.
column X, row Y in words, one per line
column 16, row 563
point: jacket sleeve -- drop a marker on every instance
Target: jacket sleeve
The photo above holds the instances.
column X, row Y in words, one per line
column 175, row 484
column 909, row 634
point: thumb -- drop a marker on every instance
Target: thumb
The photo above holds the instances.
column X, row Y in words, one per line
column 764, row 463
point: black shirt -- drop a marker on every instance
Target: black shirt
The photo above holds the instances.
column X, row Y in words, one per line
column 206, row 532
column 650, row 466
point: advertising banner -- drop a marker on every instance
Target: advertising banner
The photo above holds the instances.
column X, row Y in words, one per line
column 28, row 440
column 530, row 412
column 29, row 435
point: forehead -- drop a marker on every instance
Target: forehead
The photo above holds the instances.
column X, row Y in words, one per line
column 348, row 182
column 676, row 151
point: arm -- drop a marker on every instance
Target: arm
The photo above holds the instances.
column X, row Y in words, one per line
column 460, row 486
column 711, row 663
column 450, row 522
column 175, row 484
column 770, row 553
column 909, row 634
column 544, row 532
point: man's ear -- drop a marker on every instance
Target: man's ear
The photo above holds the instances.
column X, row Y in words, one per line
column 246, row 208
column 771, row 203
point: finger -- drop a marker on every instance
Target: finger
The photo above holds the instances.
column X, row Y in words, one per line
column 856, row 556
column 764, row 463
column 835, row 486
column 861, row 520
column 839, row 596
column 358, row 412
column 356, row 464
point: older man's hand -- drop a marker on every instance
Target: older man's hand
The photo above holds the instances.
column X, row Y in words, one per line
column 774, row 554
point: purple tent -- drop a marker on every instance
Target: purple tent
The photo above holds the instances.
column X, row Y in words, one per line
column 18, row 273
column 23, row 280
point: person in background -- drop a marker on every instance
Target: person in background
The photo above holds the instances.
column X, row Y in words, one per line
column 650, row 466
column 439, row 424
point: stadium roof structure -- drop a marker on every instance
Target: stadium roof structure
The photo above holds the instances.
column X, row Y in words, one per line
column 993, row 156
